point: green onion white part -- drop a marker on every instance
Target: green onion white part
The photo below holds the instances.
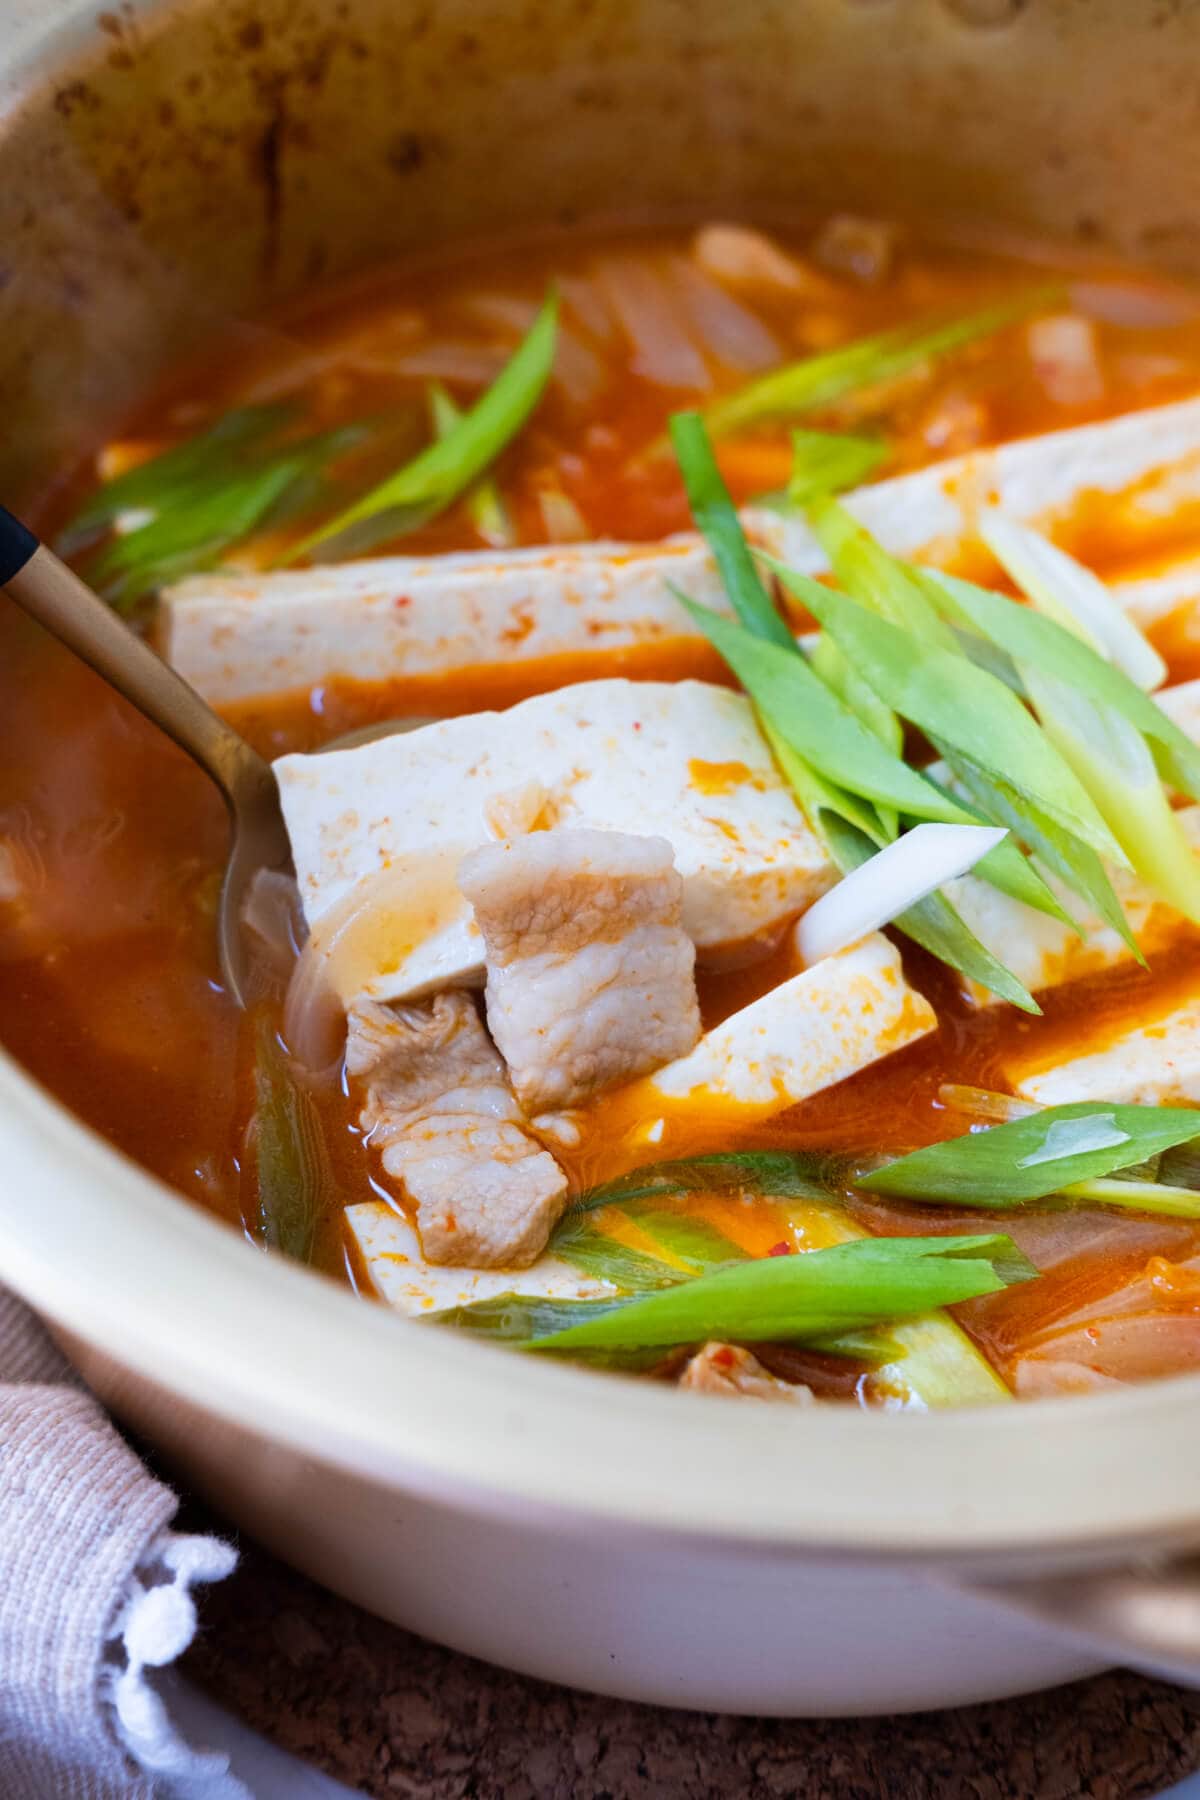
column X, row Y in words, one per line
column 1070, row 593
column 889, row 883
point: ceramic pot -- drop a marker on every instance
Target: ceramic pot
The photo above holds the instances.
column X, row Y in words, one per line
column 166, row 167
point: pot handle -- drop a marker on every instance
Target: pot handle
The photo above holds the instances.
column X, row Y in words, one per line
column 1148, row 1615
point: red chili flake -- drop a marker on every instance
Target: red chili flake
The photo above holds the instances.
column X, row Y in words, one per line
column 637, row 724
column 782, row 1248
column 723, row 1358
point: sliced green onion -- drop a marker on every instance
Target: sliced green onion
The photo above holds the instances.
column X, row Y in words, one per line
column 291, row 1160
column 1180, row 1166
column 818, row 726
column 1073, row 596
column 821, row 800
column 515, row 1318
column 927, row 1362
column 1075, row 864
column 829, row 662
column 825, row 462
column 818, row 381
column 890, row 882
column 828, row 462
column 807, row 1296
column 938, row 1366
column 196, row 502
column 1138, row 1196
column 683, row 1247
column 683, row 1235
column 837, row 750
column 484, row 502
column 933, row 922
column 769, row 1174
column 717, row 519
column 819, row 745
column 153, row 485
column 1006, row 867
column 1033, row 1157
column 1094, row 714
column 186, row 540
column 867, row 571
column 949, row 699
column 1114, row 763
column 447, row 468
column 1028, row 637
column 581, row 1243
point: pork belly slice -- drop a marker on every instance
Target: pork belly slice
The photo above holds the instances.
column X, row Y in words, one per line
column 1155, row 1062
column 732, row 1371
column 590, row 974
column 238, row 636
column 401, row 1274
column 822, row 1025
column 440, row 1111
column 680, row 760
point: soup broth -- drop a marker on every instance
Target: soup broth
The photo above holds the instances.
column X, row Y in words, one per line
column 112, row 844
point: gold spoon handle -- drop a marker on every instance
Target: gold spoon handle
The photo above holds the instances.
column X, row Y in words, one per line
column 51, row 593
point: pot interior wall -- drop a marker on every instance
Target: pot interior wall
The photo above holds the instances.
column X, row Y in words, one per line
column 166, row 168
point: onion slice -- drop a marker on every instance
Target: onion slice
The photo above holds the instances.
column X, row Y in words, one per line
column 372, row 928
column 889, row 883
column 1066, row 591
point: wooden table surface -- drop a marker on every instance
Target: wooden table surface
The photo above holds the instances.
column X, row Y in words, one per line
column 391, row 1715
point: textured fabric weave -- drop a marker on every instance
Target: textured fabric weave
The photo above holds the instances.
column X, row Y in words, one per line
column 81, row 1523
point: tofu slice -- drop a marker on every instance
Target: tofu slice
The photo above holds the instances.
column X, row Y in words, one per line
column 1156, row 1063
column 391, row 1250
column 1044, row 953
column 1147, row 463
column 1150, row 599
column 811, row 1031
column 1181, row 704
column 239, row 636
column 683, row 761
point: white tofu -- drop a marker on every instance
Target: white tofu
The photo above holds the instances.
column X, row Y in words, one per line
column 1149, row 462
column 1044, row 953
column 1150, row 599
column 391, row 1250
column 822, row 1025
column 1156, row 1063
column 679, row 760
column 1181, row 704
column 238, row 636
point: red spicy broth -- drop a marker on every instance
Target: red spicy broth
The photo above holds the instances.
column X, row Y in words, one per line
column 111, row 843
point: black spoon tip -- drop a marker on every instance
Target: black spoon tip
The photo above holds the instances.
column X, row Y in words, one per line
column 17, row 545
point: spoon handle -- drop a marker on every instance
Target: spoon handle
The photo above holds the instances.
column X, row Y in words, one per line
column 51, row 593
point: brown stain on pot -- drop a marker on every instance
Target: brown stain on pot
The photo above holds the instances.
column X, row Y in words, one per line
column 194, row 163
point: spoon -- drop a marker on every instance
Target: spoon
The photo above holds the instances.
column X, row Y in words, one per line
column 49, row 592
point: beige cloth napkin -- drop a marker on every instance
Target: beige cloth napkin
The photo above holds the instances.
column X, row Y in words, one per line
column 94, row 1592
